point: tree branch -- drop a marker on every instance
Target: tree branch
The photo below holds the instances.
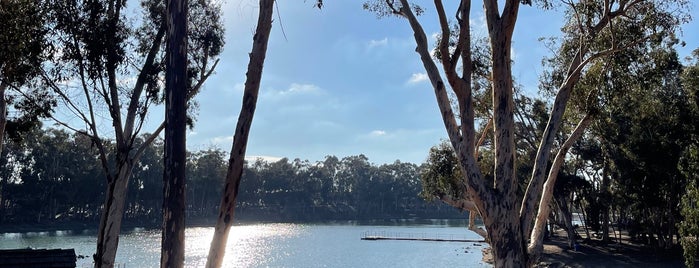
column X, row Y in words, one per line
column 141, row 81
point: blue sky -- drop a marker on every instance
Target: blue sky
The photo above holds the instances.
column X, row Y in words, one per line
column 339, row 81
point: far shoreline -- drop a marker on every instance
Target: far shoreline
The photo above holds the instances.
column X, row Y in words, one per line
column 128, row 226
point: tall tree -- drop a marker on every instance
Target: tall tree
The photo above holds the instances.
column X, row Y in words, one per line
column 507, row 215
column 242, row 130
column 23, row 49
column 108, row 70
column 172, row 250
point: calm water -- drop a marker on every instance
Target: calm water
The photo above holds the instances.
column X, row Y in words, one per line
column 280, row 245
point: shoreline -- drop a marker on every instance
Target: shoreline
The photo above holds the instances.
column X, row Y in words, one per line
column 595, row 253
column 201, row 222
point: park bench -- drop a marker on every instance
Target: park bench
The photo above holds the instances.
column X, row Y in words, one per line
column 35, row 258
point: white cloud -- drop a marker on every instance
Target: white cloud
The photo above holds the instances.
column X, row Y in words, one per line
column 417, row 78
column 377, row 133
column 265, row 158
column 378, row 43
column 294, row 89
column 301, row 88
column 222, row 140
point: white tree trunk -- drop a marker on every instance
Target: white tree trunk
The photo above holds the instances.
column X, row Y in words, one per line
column 537, row 235
column 112, row 213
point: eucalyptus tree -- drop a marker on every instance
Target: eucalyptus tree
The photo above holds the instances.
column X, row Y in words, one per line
column 638, row 86
column 242, row 131
column 107, row 77
column 206, row 172
column 173, row 244
column 507, row 216
column 23, row 50
column 689, row 166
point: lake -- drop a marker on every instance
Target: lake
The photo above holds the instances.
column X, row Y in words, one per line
column 283, row 245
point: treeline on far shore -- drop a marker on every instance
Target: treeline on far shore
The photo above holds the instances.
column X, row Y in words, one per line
column 51, row 177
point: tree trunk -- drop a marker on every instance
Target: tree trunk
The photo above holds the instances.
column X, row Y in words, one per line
column 504, row 236
column 567, row 220
column 112, row 212
column 240, row 139
column 537, row 235
column 605, row 202
column 172, row 251
column 3, row 115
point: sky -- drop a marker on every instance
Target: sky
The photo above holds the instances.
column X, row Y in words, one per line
column 338, row 81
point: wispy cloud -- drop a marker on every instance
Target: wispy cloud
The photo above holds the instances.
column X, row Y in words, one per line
column 301, row 88
column 377, row 133
column 222, row 140
column 294, row 90
column 417, row 78
column 378, row 43
column 265, row 158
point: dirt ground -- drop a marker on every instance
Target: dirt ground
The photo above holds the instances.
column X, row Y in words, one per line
column 594, row 253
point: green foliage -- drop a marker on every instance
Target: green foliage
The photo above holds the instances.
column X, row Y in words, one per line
column 23, row 49
column 440, row 174
column 389, row 8
column 105, row 49
column 689, row 167
column 55, row 177
column 22, row 41
column 689, row 227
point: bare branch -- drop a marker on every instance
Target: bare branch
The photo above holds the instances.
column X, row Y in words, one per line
column 141, row 81
column 148, row 141
column 197, row 87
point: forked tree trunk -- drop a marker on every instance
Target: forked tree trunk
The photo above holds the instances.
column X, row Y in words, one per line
column 172, row 250
column 112, row 212
column 507, row 218
column 240, row 139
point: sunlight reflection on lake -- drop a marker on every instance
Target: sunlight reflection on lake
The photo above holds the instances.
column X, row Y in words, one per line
column 276, row 245
column 248, row 245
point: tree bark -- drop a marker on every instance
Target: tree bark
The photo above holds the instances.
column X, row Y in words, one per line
column 537, row 235
column 240, row 139
column 497, row 206
column 112, row 212
column 562, row 203
column 3, row 115
column 173, row 238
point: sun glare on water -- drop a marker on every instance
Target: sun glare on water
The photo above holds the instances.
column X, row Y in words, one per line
column 248, row 245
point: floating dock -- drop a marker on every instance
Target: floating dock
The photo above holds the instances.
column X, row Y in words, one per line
column 435, row 237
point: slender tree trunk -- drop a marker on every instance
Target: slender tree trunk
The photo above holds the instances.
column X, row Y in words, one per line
column 240, row 139
column 172, row 251
column 3, row 115
column 567, row 220
column 537, row 235
column 112, row 213
column 605, row 202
